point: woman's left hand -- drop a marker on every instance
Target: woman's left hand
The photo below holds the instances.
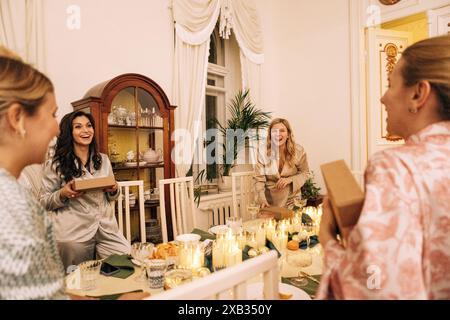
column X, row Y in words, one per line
column 282, row 182
column 112, row 189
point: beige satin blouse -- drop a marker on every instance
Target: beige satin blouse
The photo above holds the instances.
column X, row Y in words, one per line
column 79, row 219
column 267, row 175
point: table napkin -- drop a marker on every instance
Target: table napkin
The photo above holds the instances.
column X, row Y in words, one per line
column 204, row 234
column 123, row 262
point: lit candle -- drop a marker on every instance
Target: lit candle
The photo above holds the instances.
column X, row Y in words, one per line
column 241, row 238
column 251, row 240
column 260, row 237
column 197, row 257
column 218, row 254
column 270, row 229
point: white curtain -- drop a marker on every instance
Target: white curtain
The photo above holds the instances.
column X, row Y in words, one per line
column 21, row 29
column 194, row 22
column 247, row 28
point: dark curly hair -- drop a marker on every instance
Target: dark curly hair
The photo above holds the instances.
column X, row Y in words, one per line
column 68, row 165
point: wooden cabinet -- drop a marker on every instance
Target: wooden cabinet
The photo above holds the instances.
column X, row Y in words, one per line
column 134, row 122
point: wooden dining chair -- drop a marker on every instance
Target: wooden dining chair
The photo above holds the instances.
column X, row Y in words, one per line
column 123, row 208
column 243, row 192
column 230, row 283
column 182, row 205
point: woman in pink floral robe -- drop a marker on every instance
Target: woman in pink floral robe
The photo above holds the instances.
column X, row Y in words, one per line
column 400, row 247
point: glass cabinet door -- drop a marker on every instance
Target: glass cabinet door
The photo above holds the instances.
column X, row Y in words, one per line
column 136, row 144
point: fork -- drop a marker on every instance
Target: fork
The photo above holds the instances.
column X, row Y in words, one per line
column 309, row 277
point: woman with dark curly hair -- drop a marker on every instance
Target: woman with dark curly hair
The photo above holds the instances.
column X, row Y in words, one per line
column 84, row 221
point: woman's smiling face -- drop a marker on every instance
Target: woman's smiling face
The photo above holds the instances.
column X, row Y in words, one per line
column 279, row 134
column 82, row 131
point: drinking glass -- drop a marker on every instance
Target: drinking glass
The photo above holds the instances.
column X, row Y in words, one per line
column 142, row 252
column 155, row 272
column 89, row 273
column 299, row 202
column 309, row 231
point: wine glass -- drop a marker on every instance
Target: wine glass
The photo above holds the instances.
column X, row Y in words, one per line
column 308, row 228
column 299, row 259
column 142, row 252
column 300, row 202
column 234, row 223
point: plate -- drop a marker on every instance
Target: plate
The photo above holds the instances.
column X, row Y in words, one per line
column 217, row 229
column 255, row 291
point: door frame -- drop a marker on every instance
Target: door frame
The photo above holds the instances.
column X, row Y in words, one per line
column 370, row 14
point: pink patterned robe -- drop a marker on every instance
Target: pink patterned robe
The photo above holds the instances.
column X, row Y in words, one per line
column 400, row 247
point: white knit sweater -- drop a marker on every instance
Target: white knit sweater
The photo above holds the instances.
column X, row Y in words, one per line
column 30, row 266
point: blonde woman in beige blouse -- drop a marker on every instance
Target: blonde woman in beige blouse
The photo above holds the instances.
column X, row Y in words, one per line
column 283, row 169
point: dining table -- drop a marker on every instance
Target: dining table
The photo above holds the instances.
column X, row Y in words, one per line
column 110, row 287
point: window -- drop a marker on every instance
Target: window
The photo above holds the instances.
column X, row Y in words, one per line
column 223, row 81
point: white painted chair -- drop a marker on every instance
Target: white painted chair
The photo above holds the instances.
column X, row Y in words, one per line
column 182, row 206
column 230, row 283
column 243, row 192
column 121, row 209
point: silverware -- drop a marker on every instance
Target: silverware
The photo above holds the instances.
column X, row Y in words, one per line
column 309, row 276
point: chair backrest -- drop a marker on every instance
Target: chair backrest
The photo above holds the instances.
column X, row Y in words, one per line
column 31, row 178
column 182, row 206
column 125, row 208
column 230, row 283
column 243, row 191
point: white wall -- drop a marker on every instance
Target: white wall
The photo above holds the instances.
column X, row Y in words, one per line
column 306, row 75
column 116, row 37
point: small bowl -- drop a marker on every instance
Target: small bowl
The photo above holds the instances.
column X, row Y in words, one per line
column 188, row 238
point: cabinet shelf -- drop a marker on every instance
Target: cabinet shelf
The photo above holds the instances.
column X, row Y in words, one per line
column 146, row 166
column 119, row 126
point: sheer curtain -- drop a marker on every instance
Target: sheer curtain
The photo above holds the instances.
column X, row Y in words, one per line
column 247, row 28
column 194, row 22
column 21, row 29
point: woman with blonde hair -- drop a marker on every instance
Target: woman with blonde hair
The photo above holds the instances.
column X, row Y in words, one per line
column 30, row 266
column 400, row 247
column 283, row 169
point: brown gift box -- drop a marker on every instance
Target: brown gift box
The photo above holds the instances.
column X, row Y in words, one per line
column 95, row 183
column 279, row 213
column 346, row 197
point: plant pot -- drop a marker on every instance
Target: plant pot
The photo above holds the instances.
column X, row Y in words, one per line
column 224, row 183
column 314, row 202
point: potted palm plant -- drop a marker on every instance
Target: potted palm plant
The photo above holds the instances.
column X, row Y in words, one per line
column 241, row 127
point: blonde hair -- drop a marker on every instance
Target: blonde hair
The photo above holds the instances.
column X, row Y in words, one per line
column 429, row 60
column 290, row 141
column 21, row 83
column 5, row 52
